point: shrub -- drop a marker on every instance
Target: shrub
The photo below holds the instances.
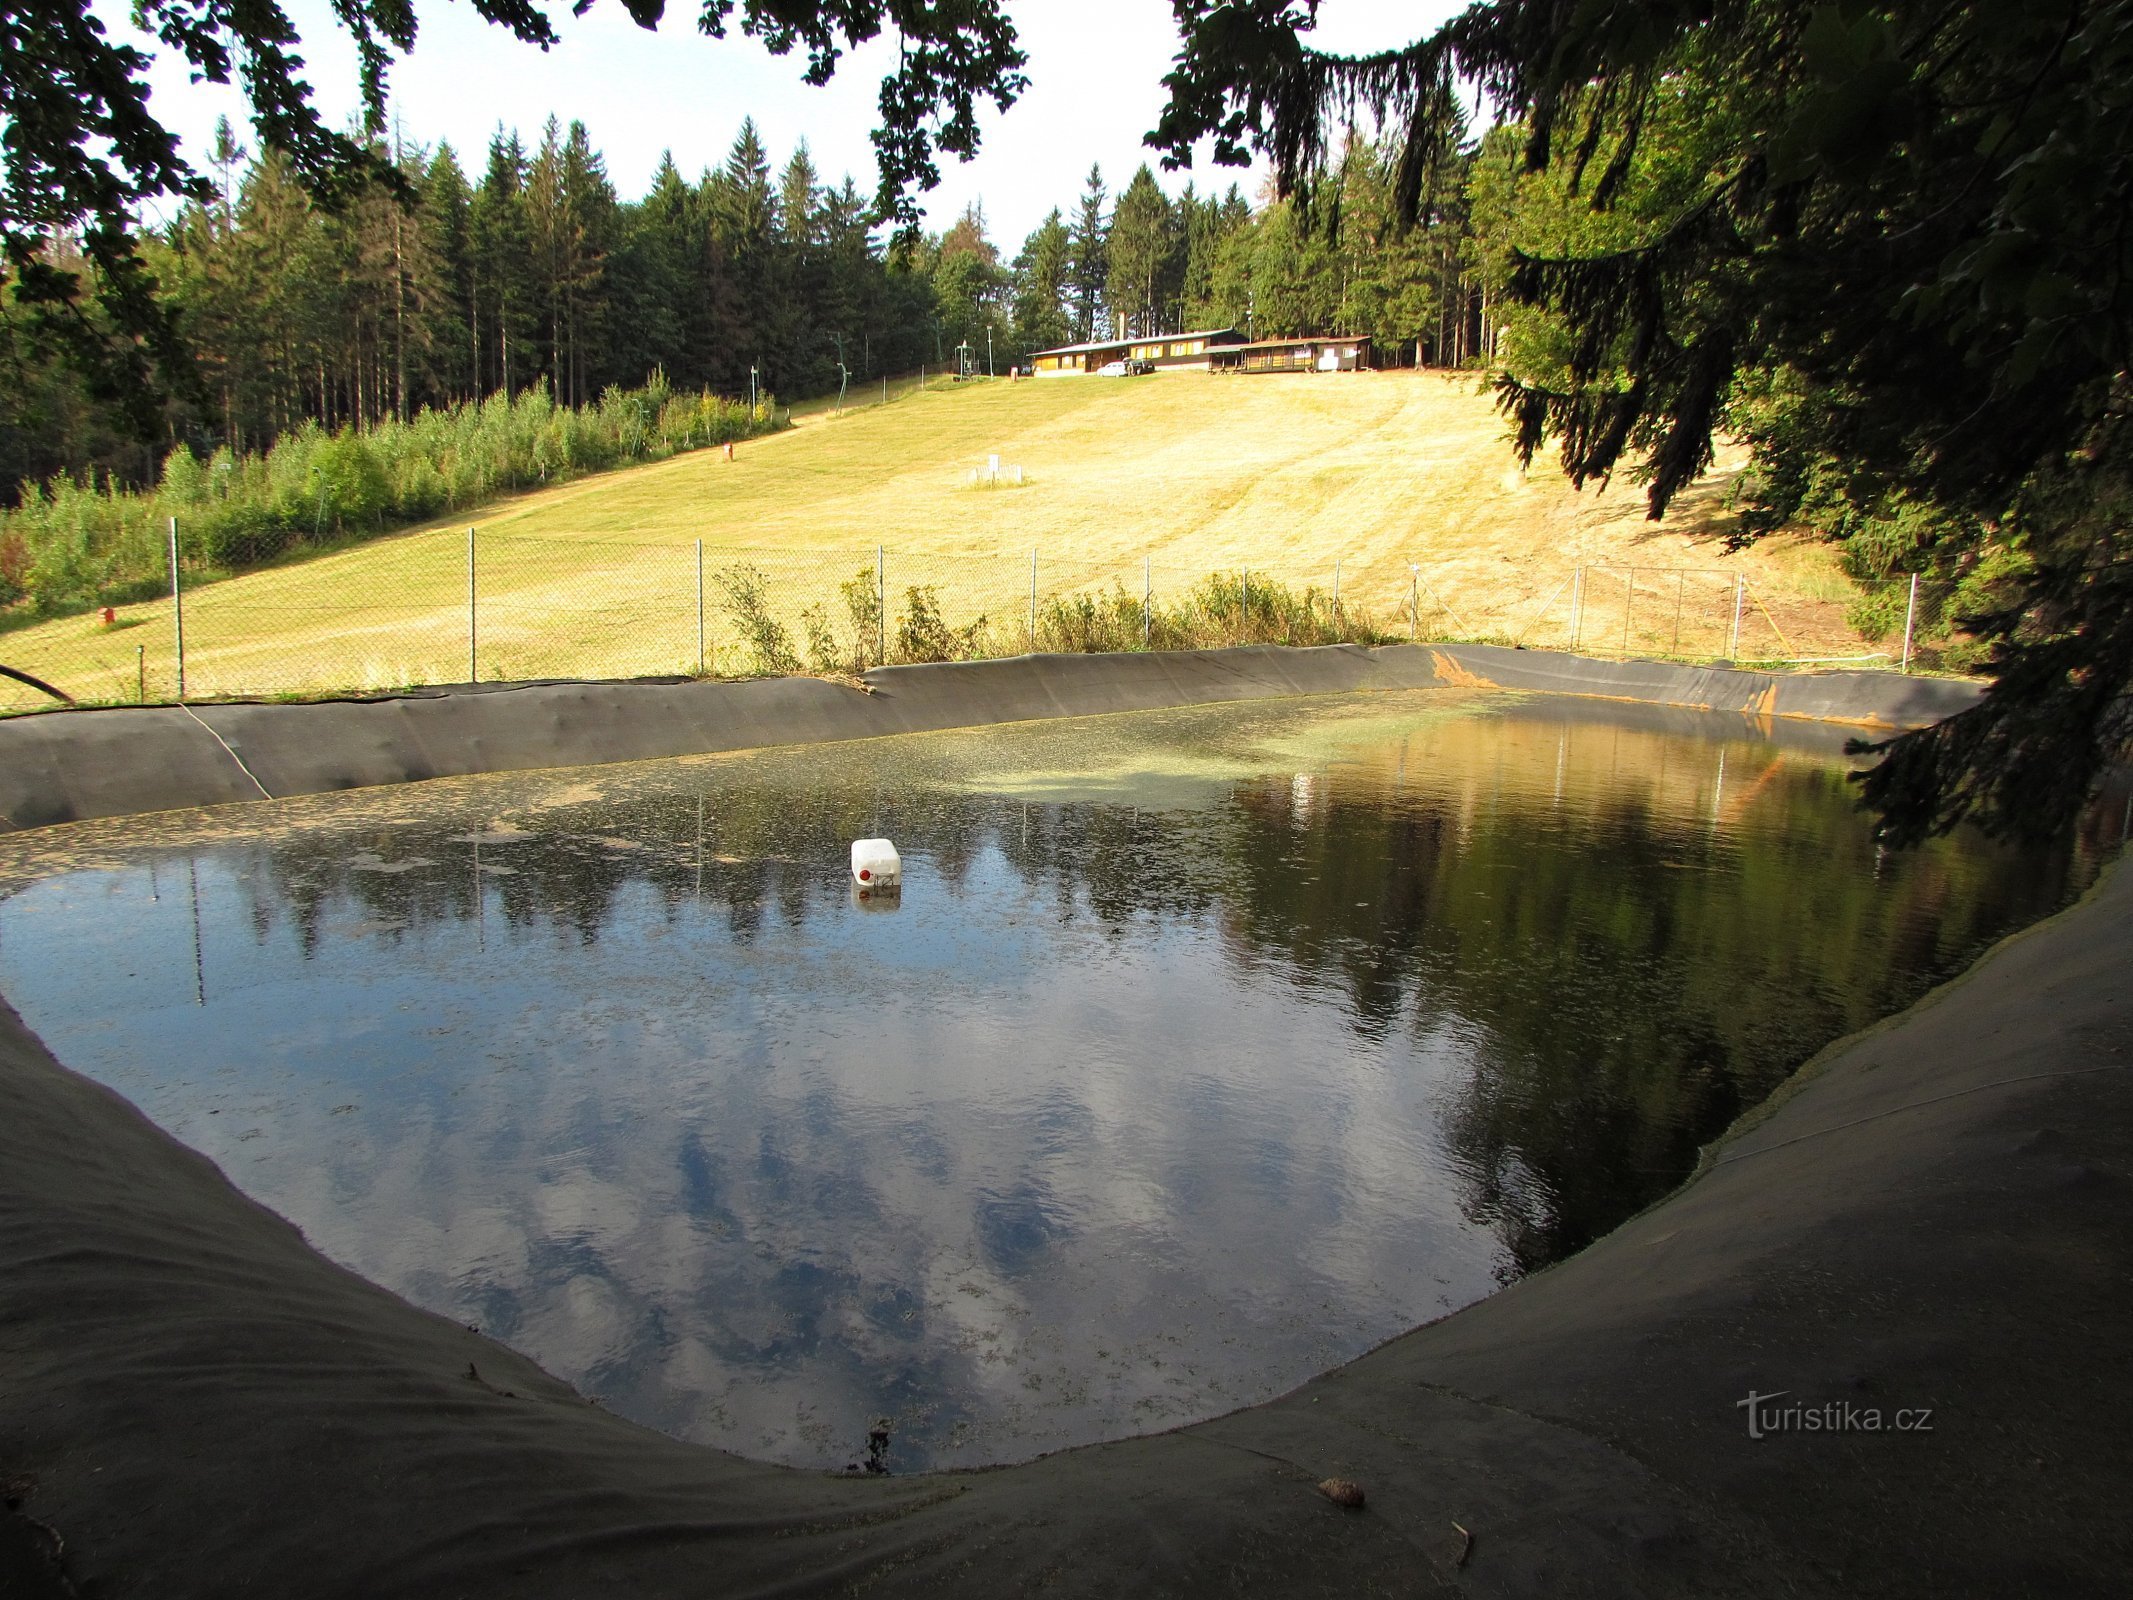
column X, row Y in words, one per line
column 1089, row 624
column 747, row 602
column 921, row 635
column 14, row 567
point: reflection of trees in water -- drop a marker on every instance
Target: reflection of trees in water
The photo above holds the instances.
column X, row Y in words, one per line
column 1622, row 976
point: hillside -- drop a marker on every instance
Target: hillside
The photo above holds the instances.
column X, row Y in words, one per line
column 1284, row 476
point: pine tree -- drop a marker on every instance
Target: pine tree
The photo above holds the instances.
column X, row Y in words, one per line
column 502, row 279
column 447, row 239
column 743, row 214
column 591, row 227
column 803, row 348
column 1087, row 260
column 1142, row 246
column 1041, row 270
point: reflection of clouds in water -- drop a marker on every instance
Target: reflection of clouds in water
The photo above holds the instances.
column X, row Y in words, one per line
column 1126, row 1115
column 997, row 1215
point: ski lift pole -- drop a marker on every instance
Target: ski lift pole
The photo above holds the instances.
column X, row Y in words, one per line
column 177, row 605
column 1910, row 614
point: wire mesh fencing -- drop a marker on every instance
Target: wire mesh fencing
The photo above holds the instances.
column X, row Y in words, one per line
column 459, row 605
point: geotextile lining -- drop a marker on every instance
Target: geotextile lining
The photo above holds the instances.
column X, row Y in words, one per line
column 73, row 765
column 193, row 1402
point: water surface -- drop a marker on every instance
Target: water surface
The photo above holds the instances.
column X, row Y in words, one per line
column 1203, row 1050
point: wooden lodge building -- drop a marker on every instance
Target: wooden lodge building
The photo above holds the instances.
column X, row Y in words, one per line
column 1350, row 354
column 1169, row 351
column 1206, row 350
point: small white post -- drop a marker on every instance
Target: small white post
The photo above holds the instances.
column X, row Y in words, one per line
column 1147, row 599
column 699, row 608
column 177, row 605
column 1740, row 595
column 1577, row 605
column 1910, row 613
column 473, row 661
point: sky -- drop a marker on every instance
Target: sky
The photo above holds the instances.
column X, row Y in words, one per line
column 1095, row 70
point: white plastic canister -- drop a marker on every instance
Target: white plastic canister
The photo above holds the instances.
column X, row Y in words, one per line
column 876, row 864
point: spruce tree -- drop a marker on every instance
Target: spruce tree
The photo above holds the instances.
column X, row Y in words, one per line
column 1087, row 260
column 1040, row 286
column 1141, row 249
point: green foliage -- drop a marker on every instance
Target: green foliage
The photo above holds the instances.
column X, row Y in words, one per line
column 1225, row 608
column 747, row 602
column 81, row 545
column 857, row 647
column 921, row 635
column 1903, row 225
column 1090, row 624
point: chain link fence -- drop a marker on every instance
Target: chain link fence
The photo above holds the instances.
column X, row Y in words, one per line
column 455, row 606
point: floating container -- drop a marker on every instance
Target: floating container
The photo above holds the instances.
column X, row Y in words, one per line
column 876, row 865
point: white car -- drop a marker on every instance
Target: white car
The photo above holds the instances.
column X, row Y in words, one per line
column 1111, row 369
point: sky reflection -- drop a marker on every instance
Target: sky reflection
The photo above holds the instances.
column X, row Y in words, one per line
column 1203, row 1049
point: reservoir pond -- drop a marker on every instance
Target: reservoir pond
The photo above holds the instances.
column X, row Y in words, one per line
column 1202, row 1050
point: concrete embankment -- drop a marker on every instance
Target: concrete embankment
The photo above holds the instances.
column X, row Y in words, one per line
column 69, row 766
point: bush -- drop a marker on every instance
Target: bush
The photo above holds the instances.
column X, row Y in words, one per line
column 14, row 568
column 1089, row 625
column 921, row 635
column 747, row 602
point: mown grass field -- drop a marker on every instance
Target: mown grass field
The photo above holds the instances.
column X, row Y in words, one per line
column 1403, row 478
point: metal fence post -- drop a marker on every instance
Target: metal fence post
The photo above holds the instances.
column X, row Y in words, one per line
column 1147, row 600
column 177, row 605
column 1680, row 589
column 1740, row 594
column 1033, row 598
column 1414, row 603
column 473, row 657
column 1577, row 605
column 1629, row 599
column 700, row 608
column 1910, row 613
column 881, row 608
column 1336, row 594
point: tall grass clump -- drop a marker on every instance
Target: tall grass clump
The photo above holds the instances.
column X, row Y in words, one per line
column 1224, row 609
column 70, row 546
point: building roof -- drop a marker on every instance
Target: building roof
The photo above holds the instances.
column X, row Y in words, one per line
column 1121, row 344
